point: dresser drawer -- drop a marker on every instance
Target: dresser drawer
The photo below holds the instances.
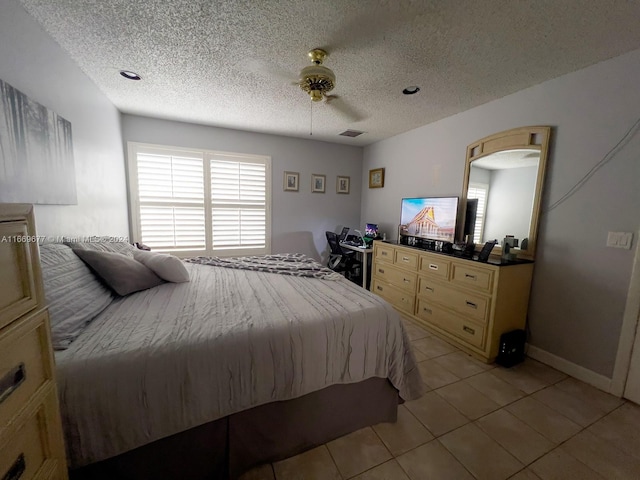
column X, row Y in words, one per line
column 27, row 453
column 383, row 252
column 466, row 330
column 438, row 267
column 406, row 259
column 399, row 278
column 395, row 296
column 18, row 293
column 477, row 278
column 470, row 305
column 24, row 364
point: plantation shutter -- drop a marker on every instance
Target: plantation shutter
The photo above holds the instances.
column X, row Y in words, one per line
column 199, row 202
column 171, row 198
column 238, row 202
column 479, row 191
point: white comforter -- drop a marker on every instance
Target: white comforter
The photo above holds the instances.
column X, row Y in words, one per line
column 176, row 356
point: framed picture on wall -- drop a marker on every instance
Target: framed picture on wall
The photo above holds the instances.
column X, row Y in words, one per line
column 291, row 181
column 376, row 178
column 317, row 183
column 342, row 184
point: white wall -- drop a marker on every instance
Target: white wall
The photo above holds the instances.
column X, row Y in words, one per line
column 299, row 219
column 580, row 286
column 33, row 63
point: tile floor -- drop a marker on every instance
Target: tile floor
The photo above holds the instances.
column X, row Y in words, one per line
column 478, row 421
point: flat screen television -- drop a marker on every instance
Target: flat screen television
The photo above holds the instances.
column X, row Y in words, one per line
column 430, row 217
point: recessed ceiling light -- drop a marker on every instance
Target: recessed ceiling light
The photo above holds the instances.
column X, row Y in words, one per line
column 130, row 75
column 413, row 89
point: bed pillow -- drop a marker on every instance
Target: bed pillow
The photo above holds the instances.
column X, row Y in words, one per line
column 123, row 274
column 166, row 266
column 101, row 244
column 74, row 295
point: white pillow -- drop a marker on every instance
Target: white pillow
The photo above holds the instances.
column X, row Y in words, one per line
column 166, row 266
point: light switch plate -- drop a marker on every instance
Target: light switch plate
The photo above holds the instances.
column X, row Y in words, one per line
column 620, row 240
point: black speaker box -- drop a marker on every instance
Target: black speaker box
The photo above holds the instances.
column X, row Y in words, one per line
column 511, row 348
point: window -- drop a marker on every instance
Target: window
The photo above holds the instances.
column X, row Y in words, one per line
column 199, row 202
column 481, row 192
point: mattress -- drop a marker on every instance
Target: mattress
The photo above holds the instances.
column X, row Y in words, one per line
column 176, row 356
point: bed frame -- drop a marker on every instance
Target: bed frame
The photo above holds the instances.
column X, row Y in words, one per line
column 226, row 448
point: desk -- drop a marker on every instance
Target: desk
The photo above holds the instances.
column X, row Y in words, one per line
column 366, row 257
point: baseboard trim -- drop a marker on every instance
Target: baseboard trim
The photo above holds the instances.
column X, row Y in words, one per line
column 576, row 371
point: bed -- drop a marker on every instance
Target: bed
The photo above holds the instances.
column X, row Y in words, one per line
column 206, row 378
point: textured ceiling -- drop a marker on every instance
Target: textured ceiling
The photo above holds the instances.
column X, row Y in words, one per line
column 229, row 63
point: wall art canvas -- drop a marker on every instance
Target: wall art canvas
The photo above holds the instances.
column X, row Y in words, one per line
column 36, row 152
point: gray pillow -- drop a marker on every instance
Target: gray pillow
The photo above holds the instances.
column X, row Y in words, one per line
column 74, row 294
column 122, row 273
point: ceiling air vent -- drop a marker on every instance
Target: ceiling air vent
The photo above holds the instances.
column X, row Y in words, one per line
column 351, row 133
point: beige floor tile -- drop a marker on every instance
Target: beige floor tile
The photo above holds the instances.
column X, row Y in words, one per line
column 434, row 375
column 553, row 425
column 414, row 332
column 433, row 347
column 621, row 428
column 420, row 357
column 432, row 461
column 315, row 464
column 262, row 472
column 599, row 399
column 390, row 470
column 578, row 408
column 515, row 436
column 358, row 451
column 525, row 474
column 520, row 378
column 481, row 455
column 602, row 457
column 462, row 364
column 404, row 435
column 467, row 400
column 558, row 465
column 495, row 388
column 543, row 372
column 436, row 414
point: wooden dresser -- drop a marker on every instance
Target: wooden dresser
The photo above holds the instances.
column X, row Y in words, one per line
column 466, row 302
column 31, row 442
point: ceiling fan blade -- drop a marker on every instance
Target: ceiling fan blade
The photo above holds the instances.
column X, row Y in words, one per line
column 343, row 108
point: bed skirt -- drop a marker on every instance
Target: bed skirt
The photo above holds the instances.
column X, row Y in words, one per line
column 226, row 448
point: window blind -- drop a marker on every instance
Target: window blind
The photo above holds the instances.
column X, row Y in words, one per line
column 479, row 191
column 199, row 201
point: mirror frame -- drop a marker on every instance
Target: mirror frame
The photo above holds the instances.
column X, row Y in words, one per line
column 534, row 138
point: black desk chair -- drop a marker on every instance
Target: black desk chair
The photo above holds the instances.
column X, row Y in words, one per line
column 343, row 261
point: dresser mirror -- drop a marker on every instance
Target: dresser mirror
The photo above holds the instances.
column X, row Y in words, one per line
column 502, row 189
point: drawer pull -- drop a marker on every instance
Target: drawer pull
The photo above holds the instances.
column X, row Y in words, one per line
column 433, row 266
column 472, row 277
column 405, row 259
column 468, row 330
column 381, row 270
column 429, row 288
column 17, row 469
column 406, row 280
column 11, row 381
column 383, row 253
column 378, row 287
column 471, row 304
column 428, row 310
